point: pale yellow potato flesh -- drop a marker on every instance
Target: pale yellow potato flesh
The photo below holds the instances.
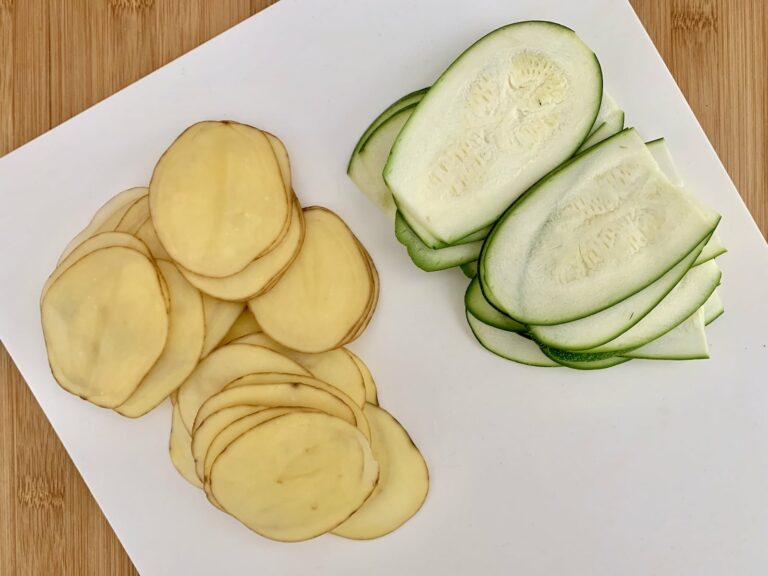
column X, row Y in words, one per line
column 335, row 367
column 373, row 302
column 180, row 449
column 371, row 395
column 323, row 294
column 259, row 274
column 277, row 378
column 105, row 324
column 283, row 160
column 135, row 217
column 148, row 235
column 219, row 318
column 186, row 332
column 210, row 428
column 296, row 476
column 106, row 218
column 403, row 480
column 224, row 365
column 245, row 325
column 217, row 198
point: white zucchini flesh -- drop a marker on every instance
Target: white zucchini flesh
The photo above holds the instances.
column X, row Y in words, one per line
column 592, row 331
column 481, row 309
column 512, row 107
column 433, row 260
column 713, row 248
column 601, row 228
column 713, row 308
column 509, row 345
column 609, row 121
column 660, row 151
column 687, row 341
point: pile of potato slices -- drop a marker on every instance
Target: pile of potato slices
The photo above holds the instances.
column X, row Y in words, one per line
column 214, row 287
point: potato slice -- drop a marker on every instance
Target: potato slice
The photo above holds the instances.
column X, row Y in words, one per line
column 324, row 293
column 220, row 316
column 296, row 476
column 335, row 367
column 277, row 378
column 403, row 480
column 217, row 198
column 135, row 216
column 148, row 235
column 372, row 303
column 245, row 325
column 106, row 218
column 105, row 324
column 224, row 365
column 260, row 274
column 186, row 332
column 179, row 448
column 371, row 395
column 283, row 160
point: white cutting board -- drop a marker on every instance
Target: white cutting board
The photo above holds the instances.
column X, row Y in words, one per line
column 646, row 468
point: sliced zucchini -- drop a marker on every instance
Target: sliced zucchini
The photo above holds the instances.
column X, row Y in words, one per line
column 687, row 341
column 658, row 148
column 470, row 269
column 609, row 121
column 432, row 260
column 571, row 360
column 509, row 345
column 479, row 307
column 713, row 308
column 512, row 107
column 598, row 230
column 712, row 249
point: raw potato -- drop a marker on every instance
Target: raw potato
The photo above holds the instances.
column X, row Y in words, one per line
column 217, row 198
column 295, row 477
column 179, row 448
column 321, row 298
column 403, row 480
column 363, row 324
column 181, row 354
column 105, row 324
column 219, row 318
column 245, row 325
column 335, row 367
column 106, row 218
column 148, row 235
column 223, row 366
column 371, row 395
column 136, row 216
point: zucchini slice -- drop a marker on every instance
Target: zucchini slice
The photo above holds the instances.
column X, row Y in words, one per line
column 687, row 341
column 509, row 345
column 713, row 308
column 480, row 308
column 609, row 121
column 433, row 260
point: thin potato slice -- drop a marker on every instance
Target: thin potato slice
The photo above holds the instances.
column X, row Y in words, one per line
column 295, row 477
column 335, row 367
column 372, row 303
column 135, row 217
column 259, row 274
column 224, row 365
column 217, row 198
column 371, row 395
column 186, row 332
column 105, row 324
column 179, row 448
column 283, row 160
column 219, row 318
column 323, row 294
column 148, row 235
column 245, row 325
column 403, row 481
column 106, row 218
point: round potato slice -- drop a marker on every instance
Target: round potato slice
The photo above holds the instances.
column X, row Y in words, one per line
column 295, row 477
column 186, row 332
column 335, row 367
column 217, row 198
column 135, row 217
column 106, row 218
column 105, row 324
column 325, row 292
column 223, row 366
column 179, row 448
column 148, row 235
column 366, row 319
column 220, row 316
column 260, row 273
column 371, row 395
column 403, row 481
column 245, row 325
column 283, row 160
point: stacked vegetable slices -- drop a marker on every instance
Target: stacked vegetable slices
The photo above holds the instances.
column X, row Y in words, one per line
column 604, row 259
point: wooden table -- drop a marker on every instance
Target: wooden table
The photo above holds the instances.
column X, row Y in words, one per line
column 58, row 57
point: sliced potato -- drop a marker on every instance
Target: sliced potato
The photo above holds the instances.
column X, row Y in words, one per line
column 335, row 367
column 217, row 198
column 245, row 325
column 219, row 318
column 179, row 448
column 283, row 160
column 148, row 235
column 224, row 365
column 371, row 395
column 372, row 303
column 181, row 354
column 296, row 476
column 403, row 480
column 135, row 217
column 261, row 273
column 323, row 295
column 105, row 324
column 106, row 218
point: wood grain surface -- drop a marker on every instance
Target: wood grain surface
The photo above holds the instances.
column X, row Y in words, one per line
column 58, row 57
